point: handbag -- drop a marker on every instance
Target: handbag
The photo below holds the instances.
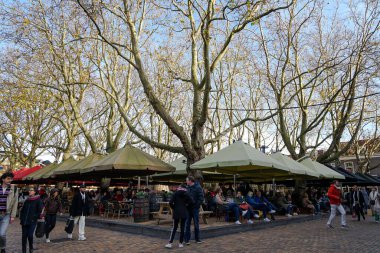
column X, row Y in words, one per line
column 40, row 228
column 244, row 206
column 69, row 227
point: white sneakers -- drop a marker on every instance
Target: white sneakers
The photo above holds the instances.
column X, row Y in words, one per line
column 295, row 214
column 244, row 212
column 47, row 240
column 250, row 221
column 169, row 245
column 70, row 236
column 272, row 211
column 266, row 220
column 256, row 215
column 289, row 215
column 238, row 222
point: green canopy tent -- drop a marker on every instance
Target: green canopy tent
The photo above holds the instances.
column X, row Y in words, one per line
column 180, row 174
column 298, row 169
column 126, row 162
column 73, row 171
column 322, row 170
column 46, row 172
column 241, row 159
column 37, row 174
column 62, row 166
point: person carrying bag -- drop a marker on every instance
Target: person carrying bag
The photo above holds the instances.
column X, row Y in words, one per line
column 40, row 228
column 69, row 227
column 30, row 212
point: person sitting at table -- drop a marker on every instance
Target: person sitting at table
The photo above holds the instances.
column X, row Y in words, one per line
column 229, row 206
column 261, row 199
column 118, row 196
column 307, row 204
column 91, row 197
column 244, row 208
column 284, row 204
column 105, row 197
column 257, row 204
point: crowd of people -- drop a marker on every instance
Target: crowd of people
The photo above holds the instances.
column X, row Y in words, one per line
column 186, row 203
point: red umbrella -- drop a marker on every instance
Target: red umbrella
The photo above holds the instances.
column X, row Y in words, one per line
column 18, row 175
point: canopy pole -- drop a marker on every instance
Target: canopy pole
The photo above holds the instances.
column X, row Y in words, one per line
column 273, row 186
column 138, row 183
column 235, row 184
column 147, row 181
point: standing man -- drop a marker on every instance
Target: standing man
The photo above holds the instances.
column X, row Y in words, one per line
column 79, row 209
column 196, row 193
column 357, row 200
column 8, row 206
column 334, row 195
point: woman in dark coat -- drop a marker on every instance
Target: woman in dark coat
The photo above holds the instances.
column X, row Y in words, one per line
column 179, row 202
column 30, row 212
column 53, row 206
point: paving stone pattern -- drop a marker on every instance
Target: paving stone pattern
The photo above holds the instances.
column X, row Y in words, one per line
column 311, row 236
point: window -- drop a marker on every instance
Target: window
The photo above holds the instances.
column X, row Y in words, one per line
column 349, row 166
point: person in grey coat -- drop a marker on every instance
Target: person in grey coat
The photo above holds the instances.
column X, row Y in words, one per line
column 180, row 203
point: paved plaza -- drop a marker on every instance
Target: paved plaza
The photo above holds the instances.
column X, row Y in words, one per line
column 311, row 236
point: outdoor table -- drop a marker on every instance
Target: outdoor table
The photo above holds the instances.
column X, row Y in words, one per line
column 164, row 213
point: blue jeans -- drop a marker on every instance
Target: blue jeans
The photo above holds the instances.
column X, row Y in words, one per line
column 262, row 207
column 249, row 214
column 270, row 205
column 235, row 209
column 4, row 223
column 194, row 214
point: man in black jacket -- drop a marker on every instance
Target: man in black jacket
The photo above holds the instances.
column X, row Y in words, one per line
column 196, row 193
column 79, row 209
column 357, row 200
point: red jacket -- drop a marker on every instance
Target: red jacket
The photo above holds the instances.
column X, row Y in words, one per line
column 334, row 195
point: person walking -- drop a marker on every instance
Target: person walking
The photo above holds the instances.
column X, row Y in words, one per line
column 374, row 200
column 30, row 212
column 196, row 192
column 53, row 205
column 8, row 206
column 180, row 203
column 334, row 194
column 79, row 209
column 357, row 200
column 366, row 199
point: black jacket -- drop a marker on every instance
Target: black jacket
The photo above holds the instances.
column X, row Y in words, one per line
column 196, row 193
column 78, row 206
column 31, row 210
column 358, row 197
column 179, row 202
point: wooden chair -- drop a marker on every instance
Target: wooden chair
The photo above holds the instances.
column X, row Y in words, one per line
column 120, row 210
column 204, row 215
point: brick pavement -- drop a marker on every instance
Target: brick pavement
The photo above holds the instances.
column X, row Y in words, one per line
column 310, row 236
